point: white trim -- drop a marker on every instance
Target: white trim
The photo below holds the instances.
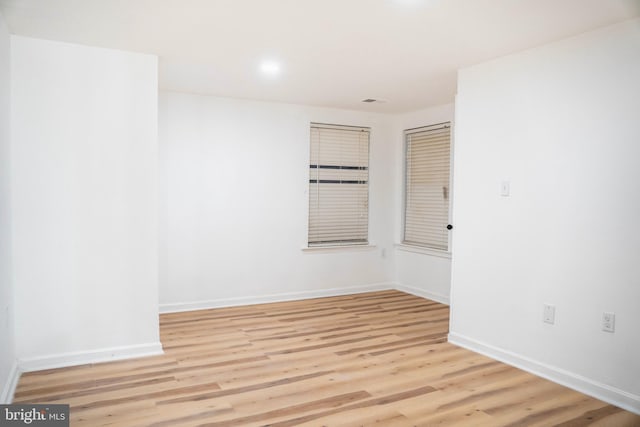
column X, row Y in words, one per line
column 443, row 299
column 338, row 248
column 9, row 388
column 606, row 393
column 422, row 250
column 92, row 356
column 262, row 299
column 339, row 127
column 437, row 126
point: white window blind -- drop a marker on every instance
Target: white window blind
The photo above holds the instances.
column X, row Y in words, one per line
column 427, row 186
column 338, row 185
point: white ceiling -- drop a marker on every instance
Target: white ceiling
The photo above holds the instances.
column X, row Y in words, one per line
column 333, row 53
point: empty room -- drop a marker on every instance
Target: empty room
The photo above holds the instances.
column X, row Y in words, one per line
column 320, row 213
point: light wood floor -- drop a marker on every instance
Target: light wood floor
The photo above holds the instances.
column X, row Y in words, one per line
column 369, row 359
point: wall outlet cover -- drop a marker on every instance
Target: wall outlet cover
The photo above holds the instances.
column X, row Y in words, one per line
column 608, row 322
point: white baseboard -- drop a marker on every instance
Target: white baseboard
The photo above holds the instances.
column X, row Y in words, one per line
column 87, row 357
column 443, row 299
column 262, row 299
column 9, row 388
column 612, row 395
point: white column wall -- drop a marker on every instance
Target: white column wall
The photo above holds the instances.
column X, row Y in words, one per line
column 84, row 202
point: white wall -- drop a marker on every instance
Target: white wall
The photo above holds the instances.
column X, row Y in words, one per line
column 234, row 176
column 84, row 201
column 421, row 272
column 561, row 123
column 7, row 338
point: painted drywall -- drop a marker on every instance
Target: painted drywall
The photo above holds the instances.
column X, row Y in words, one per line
column 419, row 272
column 234, row 180
column 7, row 337
column 560, row 123
column 84, row 202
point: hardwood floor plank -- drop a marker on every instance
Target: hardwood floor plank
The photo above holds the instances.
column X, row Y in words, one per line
column 592, row 416
column 374, row 417
column 383, row 400
column 330, row 402
column 239, row 390
column 31, row 397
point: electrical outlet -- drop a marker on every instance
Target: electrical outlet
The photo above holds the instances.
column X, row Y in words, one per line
column 608, row 322
column 549, row 315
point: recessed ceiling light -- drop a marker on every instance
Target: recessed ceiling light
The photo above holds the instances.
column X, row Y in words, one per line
column 416, row 3
column 270, row 68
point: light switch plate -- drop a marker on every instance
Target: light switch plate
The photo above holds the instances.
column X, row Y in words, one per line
column 505, row 188
column 608, row 322
column 549, row 314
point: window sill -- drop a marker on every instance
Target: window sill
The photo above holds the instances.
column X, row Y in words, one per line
column 423, row 250
column 340, row 248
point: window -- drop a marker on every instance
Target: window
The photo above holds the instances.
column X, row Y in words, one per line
column 426, row 201
column 338, row 185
